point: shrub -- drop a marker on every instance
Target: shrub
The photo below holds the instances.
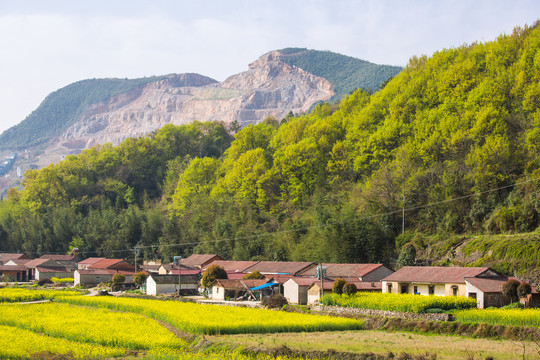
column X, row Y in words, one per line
column 118, row 279
column 213, row 273
column 524, row 289
column 349, row 289
column 337, row 288
column 255, row 275
column 509, row 289
column 274, row 301
column 140, row 278
column 42, row 282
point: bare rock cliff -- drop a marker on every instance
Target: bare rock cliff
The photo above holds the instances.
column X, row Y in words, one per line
column 268, row 88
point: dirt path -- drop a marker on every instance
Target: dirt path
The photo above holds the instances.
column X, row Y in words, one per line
column 179, row 334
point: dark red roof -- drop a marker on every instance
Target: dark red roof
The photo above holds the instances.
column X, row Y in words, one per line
column 91, row 260
column 360, row 285
column 58, row 257
column 40, row 262
column 199, row 260
column 279, row 267
column 185, row 272
column 10, row 256
column 104, row 263
column 490, row 284
column 435, row 274
column 104, row 272
column 231, row 266
column 304, row 281
column 53, row 269
column 343, row 270
column 13, row 268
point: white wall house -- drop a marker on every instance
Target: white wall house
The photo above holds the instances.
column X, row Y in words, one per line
column 168, row 284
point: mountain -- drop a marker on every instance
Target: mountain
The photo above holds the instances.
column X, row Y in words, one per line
column 96, row 111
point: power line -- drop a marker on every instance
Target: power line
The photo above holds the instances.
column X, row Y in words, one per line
column 248, row 237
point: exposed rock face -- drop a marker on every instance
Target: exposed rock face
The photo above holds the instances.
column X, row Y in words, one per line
column 268, row 88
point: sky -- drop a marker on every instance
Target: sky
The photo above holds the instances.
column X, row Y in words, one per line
column 48, row 44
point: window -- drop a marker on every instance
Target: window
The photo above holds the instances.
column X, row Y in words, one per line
column 472, row 295
column 404, row 289
column 431, row 289
column 389, row 288
column 454, row 290
column 415, row 290
column 97, row 280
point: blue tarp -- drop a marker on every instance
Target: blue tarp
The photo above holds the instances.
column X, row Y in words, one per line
column 263, row 286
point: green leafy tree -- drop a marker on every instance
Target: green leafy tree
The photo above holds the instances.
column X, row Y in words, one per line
column 118, row 279
column 524, row 289
column 407, row 256
column 509, row 289
column 337, row 288
column 349, row 289
column 139, row 278
column 213, row 273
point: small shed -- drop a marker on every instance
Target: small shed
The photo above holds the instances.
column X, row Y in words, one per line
column 167, row 284
column 224, row 289
column 295, row 289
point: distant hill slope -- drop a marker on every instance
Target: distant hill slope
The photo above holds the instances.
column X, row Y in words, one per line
column 345, row 73
column 92, row 111
column 62, row 108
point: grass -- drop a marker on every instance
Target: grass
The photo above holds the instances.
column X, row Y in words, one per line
column 383, row 342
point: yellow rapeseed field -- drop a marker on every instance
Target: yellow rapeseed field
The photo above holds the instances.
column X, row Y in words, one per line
column 399, row 302
column 96, row 326
column 516, row 317
column 213, row 319
column 20, row 294
column 21, row 344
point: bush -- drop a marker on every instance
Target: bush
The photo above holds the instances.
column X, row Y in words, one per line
column 140, row 278
column 213, row 273
column 349, row 289
column 42, row 282
column 274, row 301
column 255, row 275
column 509, row 289
column 524, row 289
column 337, row 288
column 118, row 279
column 62, row 280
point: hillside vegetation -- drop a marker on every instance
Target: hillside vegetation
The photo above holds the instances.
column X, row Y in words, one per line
column 454, row 139
column 345, row 73
column 62, row 108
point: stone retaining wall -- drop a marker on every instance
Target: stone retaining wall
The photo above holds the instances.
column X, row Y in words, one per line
column 348, row 311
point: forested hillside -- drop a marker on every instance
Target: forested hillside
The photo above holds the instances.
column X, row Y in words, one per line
column 345, row 73
column 453, row 139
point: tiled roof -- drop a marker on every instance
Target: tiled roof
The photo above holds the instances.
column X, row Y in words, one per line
column 173, row 279
column 12, row 268
column 37, row 262
column 238, row 284
column 91, row 260
column 231, row 266
column 104, row 272
column 489, row 284
column 280, row 279
column 18, row 261
column 435, row 274
column 105, row 263
column 185, row 272
column 58, row 257
column 10, row 256
column 279, row 267
column 343, row 270
column 199, row 260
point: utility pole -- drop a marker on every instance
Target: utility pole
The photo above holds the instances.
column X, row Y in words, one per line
column 403, row 207
column 321, row 274
column 135, row 250
column 179, row 278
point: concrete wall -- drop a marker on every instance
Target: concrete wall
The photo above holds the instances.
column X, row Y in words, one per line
column 48, row 275
column 294, row 293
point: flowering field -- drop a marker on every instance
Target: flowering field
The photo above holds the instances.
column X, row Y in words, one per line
column 399, row 302
column 18, row 343
column 210, row 319
column 94, row 326
column 20, row 294
column 516, row 317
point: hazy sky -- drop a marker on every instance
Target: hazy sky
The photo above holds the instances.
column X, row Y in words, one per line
column 48, row 44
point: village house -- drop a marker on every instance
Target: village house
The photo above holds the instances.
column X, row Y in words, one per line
column 295, row 289
column 362, row 272
column 84, row 264
column 103, row 271
column 43, row 268
column 5, row 257
column 166, row 284
column 199, row 261
column 433, row 280
column 314, row 291
column 280, row 267
column 227, row 289
column 487, row 290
